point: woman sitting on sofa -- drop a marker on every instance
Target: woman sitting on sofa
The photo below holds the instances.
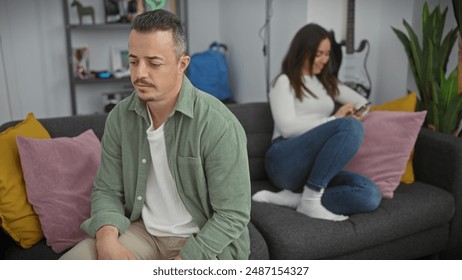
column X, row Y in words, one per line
column 310, row 146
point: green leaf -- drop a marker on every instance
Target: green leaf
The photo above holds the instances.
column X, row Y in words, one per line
column 416, row 50
column 428, row 61
column 448, row 43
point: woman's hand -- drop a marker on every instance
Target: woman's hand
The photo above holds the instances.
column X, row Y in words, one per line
column 345, row 111
column 349, row 110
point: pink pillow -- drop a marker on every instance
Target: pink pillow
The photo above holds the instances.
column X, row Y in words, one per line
column 59, row 174
column 388, row 141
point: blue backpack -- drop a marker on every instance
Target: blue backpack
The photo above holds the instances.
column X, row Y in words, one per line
column 208, row 71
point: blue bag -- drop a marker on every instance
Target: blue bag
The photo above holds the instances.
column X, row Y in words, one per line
column 208, row 71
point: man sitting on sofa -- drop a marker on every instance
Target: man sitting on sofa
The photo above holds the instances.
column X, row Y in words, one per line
column 174, row 180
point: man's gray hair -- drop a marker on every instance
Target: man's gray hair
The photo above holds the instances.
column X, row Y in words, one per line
column 162, row 20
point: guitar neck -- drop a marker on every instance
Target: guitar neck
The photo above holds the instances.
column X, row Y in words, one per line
column 350, row 36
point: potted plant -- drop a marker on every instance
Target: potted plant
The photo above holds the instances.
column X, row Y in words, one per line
column 428, row 60
column 457, row 14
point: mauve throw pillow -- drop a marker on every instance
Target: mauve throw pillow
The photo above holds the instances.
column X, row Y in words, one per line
column 59, row 174
column 388, row 141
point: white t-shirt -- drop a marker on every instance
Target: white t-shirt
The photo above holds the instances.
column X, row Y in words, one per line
column 164, row 213
column 293, row 117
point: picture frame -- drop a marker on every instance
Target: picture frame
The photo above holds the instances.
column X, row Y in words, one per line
column 119, row 59
column 123, row 11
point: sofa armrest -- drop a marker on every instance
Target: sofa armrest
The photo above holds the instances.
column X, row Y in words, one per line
column 438, row 161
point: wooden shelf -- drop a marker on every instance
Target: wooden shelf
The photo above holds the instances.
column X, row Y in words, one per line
column 79, row 81
column 96, row 33
column 100, row 26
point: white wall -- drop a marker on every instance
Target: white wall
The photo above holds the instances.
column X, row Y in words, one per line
column 237, row 24
column 32, row 34
column 5, row 110
column 203, row 15
column 34, row 52
column 387, row 62
column 239, row 21
column 288, row 17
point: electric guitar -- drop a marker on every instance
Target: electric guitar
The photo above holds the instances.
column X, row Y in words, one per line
column 353, row 71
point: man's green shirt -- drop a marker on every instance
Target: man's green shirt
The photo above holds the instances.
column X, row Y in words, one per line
column 207, row 156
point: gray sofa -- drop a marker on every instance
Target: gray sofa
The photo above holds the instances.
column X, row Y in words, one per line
column 423, row 220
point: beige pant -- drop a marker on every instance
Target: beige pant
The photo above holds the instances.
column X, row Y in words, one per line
column 138, row 240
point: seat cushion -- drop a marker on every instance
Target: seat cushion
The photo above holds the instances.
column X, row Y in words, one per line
column 41, row 251
column 291, row 235
column 258, row 247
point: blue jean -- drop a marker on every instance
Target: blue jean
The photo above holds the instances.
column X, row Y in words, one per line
column 317, row 158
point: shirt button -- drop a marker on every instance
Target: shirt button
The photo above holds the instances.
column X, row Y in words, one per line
column 143, row 160
column 139, row 197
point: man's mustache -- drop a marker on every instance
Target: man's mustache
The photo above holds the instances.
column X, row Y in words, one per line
column 142, row 82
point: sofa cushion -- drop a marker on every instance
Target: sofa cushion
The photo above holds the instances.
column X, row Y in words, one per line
column 258, row 247
column 59, row 174
column 291, row 235
column 16, row 214
column 257, row 122
column 404, row 104
column 407, row 103
column 40, row 251
column 420, row 245
column 388, row 141
column 75, row 125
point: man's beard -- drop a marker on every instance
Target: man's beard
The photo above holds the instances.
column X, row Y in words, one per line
column 145, row 98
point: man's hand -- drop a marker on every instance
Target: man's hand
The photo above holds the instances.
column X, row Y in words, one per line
column 108, row 246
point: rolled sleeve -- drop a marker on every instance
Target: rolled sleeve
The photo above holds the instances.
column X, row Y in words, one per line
column 92, row 225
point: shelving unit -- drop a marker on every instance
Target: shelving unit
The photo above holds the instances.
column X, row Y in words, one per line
column 80, row 86
column 101, row 37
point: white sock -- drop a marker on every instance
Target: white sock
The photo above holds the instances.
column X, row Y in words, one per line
column 283, row 198
column 311, row 206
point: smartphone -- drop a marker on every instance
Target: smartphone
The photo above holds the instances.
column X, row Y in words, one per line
column 362, row 108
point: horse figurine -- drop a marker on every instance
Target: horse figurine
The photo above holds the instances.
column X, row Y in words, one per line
column 84, row 11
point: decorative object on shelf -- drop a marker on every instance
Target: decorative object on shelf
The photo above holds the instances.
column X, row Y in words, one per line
column 121, row 73
column 111, row 8
column 84, row 11
column 134, row 8
column 156, row 4
column 122, row 11
column 81, row 62
column 119, row 59
column 101, row 74
column 428, row 62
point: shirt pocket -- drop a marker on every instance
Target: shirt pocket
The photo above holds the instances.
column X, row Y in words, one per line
column 191, row 176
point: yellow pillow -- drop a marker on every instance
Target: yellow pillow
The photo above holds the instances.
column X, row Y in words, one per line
column 406, row 104
column 17, row 215
column 403, row 104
